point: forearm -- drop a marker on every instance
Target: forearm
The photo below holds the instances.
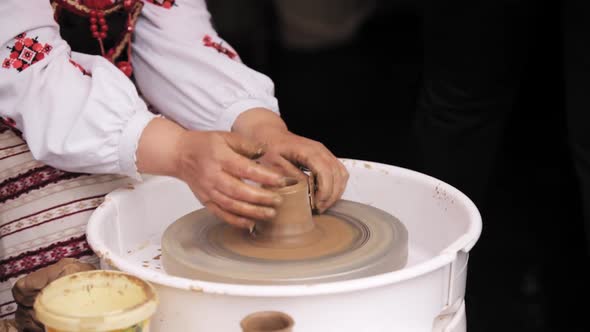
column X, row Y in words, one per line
column 158, row 148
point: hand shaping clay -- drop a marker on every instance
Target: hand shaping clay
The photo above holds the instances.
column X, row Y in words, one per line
column 350, row 240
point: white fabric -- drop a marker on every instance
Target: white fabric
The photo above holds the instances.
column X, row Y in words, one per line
column 191, row 83
column 92, row 124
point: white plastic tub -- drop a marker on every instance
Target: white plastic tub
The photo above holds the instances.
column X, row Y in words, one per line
column 426, row 296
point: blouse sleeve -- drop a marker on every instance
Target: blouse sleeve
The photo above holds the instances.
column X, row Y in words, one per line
column 77, row 112
column 188, row 73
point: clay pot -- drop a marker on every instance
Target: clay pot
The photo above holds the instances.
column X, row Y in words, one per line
column 267, row 321
column 293, row 216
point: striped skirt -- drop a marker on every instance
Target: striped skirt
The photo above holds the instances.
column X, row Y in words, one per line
column 43, row 213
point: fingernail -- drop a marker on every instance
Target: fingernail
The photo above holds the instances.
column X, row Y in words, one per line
column 321, row 206
column 259, row 153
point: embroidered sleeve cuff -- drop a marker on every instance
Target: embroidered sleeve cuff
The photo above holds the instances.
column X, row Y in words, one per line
column 229, row 116
column 130, row 141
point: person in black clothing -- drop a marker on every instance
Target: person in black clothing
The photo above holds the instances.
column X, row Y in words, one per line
column 475, row 67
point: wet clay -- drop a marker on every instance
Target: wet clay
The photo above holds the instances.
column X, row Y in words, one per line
column 294, row 234
column 351, row 239
column 329, row 236
column 293, row 219
column 267, row 321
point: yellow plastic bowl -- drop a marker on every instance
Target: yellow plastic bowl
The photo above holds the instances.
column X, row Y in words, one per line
column 97, row 301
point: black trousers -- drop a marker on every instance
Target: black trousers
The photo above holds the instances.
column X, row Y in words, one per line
column 576, row 28
column 474, row 56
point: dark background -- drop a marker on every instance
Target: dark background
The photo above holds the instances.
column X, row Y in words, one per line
column 528, row 270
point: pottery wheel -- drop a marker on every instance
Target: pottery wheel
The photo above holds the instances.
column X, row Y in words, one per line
column 350, row 240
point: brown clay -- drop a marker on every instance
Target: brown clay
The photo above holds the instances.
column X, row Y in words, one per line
column 329, row 236
column 294, row 234
column 267, row 321
column 293, row 216
column 27, row 288
column 350, row 239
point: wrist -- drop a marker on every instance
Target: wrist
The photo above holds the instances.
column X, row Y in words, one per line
column 253, row 122
column 158, row 151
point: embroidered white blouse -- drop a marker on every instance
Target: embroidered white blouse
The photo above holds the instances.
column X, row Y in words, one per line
column 92, row 123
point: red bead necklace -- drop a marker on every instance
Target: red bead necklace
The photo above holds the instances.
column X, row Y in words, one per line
column 97, row 11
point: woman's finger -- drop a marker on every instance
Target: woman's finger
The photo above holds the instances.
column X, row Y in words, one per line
column 241, row 208
column 242, row 191
column 244, row 168
column 230, row 218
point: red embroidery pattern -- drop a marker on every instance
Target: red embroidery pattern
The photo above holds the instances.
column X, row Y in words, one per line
column 77, row 65
column 31, row 180
column 51, row 215
column 208, row 41
column 162, row 3
column 25, row 52
column 33, row 260
column 8, row 122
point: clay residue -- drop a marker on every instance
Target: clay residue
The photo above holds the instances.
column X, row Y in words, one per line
column 100, row 286
column 143, row 245
column 98, row 254
column 109, row 262
column 195, row 289
column 202, row 247
column 143, row 285
column 330, row 236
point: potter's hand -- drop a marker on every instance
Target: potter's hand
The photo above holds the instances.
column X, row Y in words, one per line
column 285, row 150
column 26, row 289
column 213, row 164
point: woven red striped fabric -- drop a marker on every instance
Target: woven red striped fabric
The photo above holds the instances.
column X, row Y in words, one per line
column 43, row 213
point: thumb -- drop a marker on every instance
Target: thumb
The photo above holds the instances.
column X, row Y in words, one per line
column 244, row 146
